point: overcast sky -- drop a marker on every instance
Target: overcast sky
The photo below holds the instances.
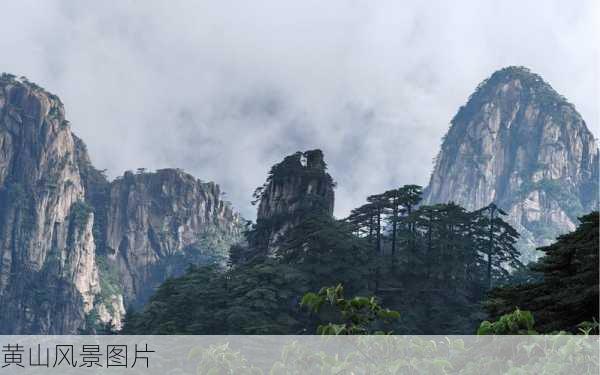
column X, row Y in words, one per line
column 225, row 89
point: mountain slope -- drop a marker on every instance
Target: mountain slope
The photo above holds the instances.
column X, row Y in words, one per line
column 75, row 248
column 520, row 144
column 48, row 273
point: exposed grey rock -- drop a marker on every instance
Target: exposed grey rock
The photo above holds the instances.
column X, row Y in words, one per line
column 159, row 222
column 520, row 144
column 47, row 253
column 76, row 249
column 297, row 186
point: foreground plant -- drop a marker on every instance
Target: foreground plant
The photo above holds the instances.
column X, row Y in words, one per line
column 358, row 315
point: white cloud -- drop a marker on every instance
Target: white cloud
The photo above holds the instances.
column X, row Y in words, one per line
column 226, row 89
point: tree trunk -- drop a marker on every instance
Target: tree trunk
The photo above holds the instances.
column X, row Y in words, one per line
column 379, row 230
column 491, row 249
column 394, row 225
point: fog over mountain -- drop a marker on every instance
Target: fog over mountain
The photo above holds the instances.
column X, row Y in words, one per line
column 223, row 90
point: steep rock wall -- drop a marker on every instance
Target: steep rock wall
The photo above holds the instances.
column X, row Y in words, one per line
column 520, row 144
column 160, row 222
column 297, row 186
column 45, row 228
column 77, row 249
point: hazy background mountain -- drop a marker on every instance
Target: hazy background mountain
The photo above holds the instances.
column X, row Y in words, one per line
column 223, row 89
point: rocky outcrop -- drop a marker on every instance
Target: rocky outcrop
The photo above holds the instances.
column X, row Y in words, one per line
column 76, row 249
column 47, row 252
column 520, row 144
column 160, row 222
column 297, row 186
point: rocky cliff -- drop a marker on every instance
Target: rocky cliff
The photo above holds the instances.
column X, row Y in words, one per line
column 520, row 144
column 295, row 187
column 160, row 222
column 76, row 248
column 48, row 273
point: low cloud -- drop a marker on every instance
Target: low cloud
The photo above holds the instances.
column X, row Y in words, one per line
column 226, row 89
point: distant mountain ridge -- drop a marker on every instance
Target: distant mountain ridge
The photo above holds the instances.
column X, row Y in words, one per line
column 520, row 144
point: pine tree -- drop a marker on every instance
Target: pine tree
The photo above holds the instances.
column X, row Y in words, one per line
column 568, row 294
column 410, row 197
column 395, row 209
column 378, row 206
column 327, row 252
column 400, row 204
column 497, row 241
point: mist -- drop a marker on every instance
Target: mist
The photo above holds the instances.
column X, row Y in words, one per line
column 225, row 89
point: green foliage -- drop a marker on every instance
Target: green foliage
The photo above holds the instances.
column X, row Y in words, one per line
column 54, row 112
column 435, row 262
column 523, row 274
column 408, row 355
column 97, row 191
column 516, row 323
column 91, row 322
column 221, row 359
column 437, row 276
column 292, row 166
column 327, row 253
column 259, row 296
column 79, row 214
column 496, row 239
column 259, row 293
column 357, row 315
column 254, row 299
column 589, row 327
column 568, row 293
column 110, row 284
column 110, row 288
column 215, row 243
column 93, row 326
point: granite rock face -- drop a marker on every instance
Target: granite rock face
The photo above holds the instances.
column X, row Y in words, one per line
column 159, row 222
column 47, row 252
column 76, row 249
column 297, row 186
column 520, row 144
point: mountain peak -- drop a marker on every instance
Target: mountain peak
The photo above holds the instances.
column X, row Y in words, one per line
column 520, row 144
column 524, row 75
column 515, row 72
column 7, row 79
column 518, row 83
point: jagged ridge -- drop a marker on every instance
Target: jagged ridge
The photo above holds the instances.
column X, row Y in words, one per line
column 74, row 247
